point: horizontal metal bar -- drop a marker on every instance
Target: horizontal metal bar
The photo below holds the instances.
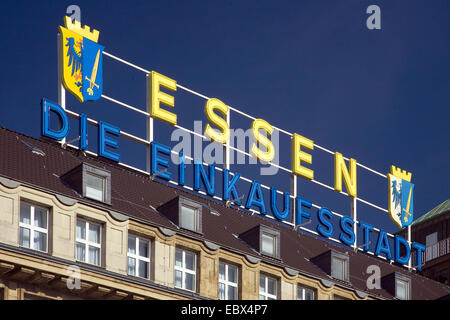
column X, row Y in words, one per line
column 125, row 105
column 372, row 205
column 123, row 133
column 231, row 108
column 125, row 62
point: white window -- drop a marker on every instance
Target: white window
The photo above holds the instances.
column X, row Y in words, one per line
column 190, row 218
column 138, row 257
column 267, row 288
column 402, row 289
column 95, row 186
column 268, row 244
column 269, row 241
column 185, row 269
column 228, row 281
column 339, row 268
column 88, row 243
column 33, row 227
column 305, row 293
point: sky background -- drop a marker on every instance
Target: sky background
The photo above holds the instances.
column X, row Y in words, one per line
column 310, row 67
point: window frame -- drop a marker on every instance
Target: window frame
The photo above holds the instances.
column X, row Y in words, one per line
column 103, row 180
column 407, row 281
column 197, row 207
column 266, row 293
column 196, row 217
column 275, row 235
column 345, row 259
column 303, row 289
column 86, row 242
column 228, row 283
column 184, row 270
column 32, row 228
column 138, row 257
column 99, row 173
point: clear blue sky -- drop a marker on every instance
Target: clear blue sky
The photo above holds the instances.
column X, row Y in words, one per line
column 311, row 67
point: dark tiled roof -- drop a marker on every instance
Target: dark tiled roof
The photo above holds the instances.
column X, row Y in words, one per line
column 132, row 194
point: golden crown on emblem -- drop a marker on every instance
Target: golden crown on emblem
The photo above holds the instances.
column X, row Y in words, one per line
column 401, row 174
column 75, row 26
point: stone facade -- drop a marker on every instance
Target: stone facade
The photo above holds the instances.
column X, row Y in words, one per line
column 28, row 274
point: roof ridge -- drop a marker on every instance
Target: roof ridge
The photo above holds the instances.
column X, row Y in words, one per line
column 436, row 211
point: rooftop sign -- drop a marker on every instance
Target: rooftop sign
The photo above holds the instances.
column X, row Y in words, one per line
column 80, row 65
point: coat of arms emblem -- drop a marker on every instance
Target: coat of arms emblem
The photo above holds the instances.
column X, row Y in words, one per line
column 401, row 192
column 82, row 72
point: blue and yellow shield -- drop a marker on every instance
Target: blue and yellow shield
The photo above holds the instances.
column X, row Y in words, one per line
column 401, row 197
column 82, row 67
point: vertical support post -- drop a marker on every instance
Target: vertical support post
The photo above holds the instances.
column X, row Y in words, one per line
column 226, row 147
column 149, row 122
column 294, row 194
column 61, row 90
column 409, row 243
column 354, row 218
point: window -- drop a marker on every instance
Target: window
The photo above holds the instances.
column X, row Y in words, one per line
column 138, row 257
column 228, row 281
column 305, row 293
column 339, row 265
column 95, row 187
column 402, row 289
column 185, row 269
column 184, row 212
column 88, row 243
column 398, row 285
column 190, row 217
column 338, row 268
column 267, row 288
column 334, row 263
column 33, row 227
column 269, row 241
column 90, row 182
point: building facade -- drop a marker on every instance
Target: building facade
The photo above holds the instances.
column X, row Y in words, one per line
column 74, row 226
column 433, row 230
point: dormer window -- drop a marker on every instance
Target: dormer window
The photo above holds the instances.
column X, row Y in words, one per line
column 339, row 268
column 269, row 241
column 91, row 182
column 402, row 289
column 263, row 239
column 398, row 285
column 190, row 217
column 185, row 213
column 334, row 263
